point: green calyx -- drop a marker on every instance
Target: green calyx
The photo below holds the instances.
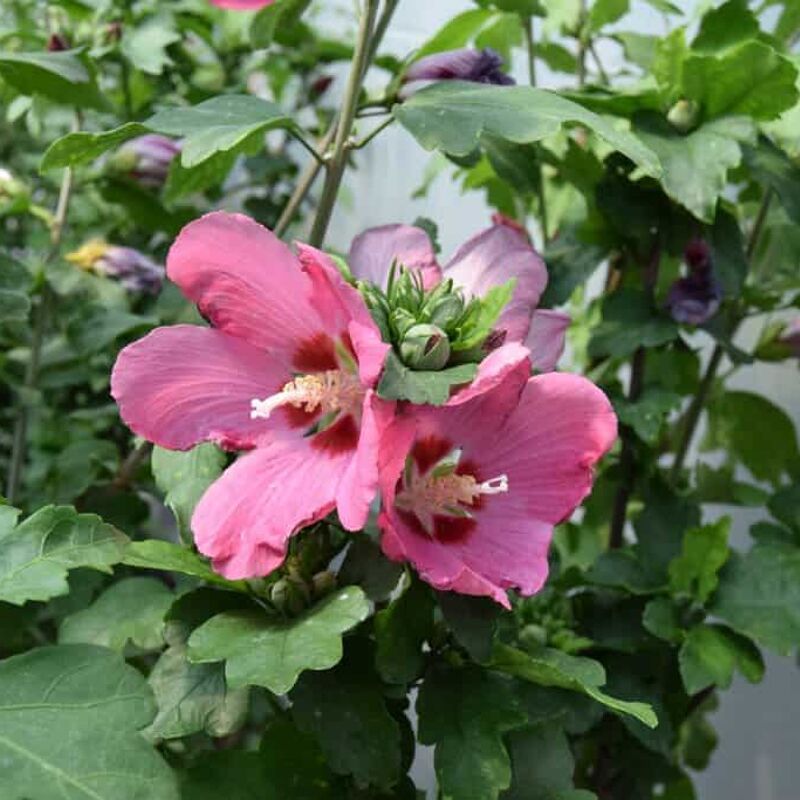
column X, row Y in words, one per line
column 434, row 328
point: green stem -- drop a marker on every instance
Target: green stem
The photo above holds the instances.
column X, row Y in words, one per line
column 627, row 461
column 530, row 44
column 704, row 390
column 372, row 134
column 20, row 435
column 338, row 160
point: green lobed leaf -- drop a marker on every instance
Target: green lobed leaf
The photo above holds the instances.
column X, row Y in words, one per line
column 605, row 12
column 345, row 710
column 456, row 33
column 453, row 115
column 542, row 763
column 549, row 667
column 728, row 252
column 784, row 505
column 465, row 714
column 69, row 727
column 754, row 430
column 696, row 164
column 96, row 327
column 366, row 566
column 759, row 595
column 63, row 77
column 725, row 26
column 710, row 655
column 719, row 486
column 774, row 168
column 170, row 557
column 193, row 698
column 268, row 652
column 400, row 631
column 184, row 476
column 182, row 181
column 648, row 413
column 473, row 621
column 629, row 323
column 750, row 79
column 398, row 382
column 705, row 550
column 78, row 148
column 221, row 124
column 36, row 555
column 145, row 45
column 132, row 609
column 661, row 617
column 270, row 19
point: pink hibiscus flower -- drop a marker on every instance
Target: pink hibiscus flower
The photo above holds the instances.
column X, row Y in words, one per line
column 287, row 371
column 488, row 259
column 471, row 492
column 242, row 5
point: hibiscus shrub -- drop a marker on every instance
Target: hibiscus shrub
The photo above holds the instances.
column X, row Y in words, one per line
column 284, row 520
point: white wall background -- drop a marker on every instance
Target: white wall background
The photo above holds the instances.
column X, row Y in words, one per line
column 759, row 726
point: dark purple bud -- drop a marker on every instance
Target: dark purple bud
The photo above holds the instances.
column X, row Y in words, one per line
column 465, row 64
column 114, row 31
column 697, row 255
column 57, row 43
column 147, row 159
column 320, row 86
column 134, row 270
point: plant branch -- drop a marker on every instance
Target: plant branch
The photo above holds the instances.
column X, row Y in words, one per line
column 336, row 166
column 305, row 183
column 704, row 390
column 530, row 43
column 372, row 134
column 598, row 62
column 627, row 461
column 315, row 154
column 129, row 467
column 20, row 435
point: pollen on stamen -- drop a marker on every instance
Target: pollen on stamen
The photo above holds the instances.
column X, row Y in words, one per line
column 329, row 392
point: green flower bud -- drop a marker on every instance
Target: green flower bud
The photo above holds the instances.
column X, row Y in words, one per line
column 447, row 310
column 532, row 636
column 403, row 320
column 425, row 347
column 289, row 596
column 683, row 115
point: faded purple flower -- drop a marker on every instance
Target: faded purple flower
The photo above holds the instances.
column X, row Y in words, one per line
column 465, row 64
column 134, row 270
column 147, row 159
column 695, row 298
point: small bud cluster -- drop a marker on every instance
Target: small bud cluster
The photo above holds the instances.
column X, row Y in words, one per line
column 430, row 328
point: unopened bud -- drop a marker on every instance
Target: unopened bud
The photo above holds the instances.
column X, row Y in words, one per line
column 288, row 596
column 779, row 342
column 57, row 43
column 683, row 115
column 447, row 310
column 532, row 636
column 425, row 347
column 146, row 159
column 323, row 583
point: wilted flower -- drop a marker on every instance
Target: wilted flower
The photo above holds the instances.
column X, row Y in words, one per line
column 487, row 260
column 147, row 159
column 471, row 491
column 134, row 270
column 287, row 371
column 464, row 64
column 694, row 299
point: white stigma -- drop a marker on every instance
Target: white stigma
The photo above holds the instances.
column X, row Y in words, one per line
column 329, row 392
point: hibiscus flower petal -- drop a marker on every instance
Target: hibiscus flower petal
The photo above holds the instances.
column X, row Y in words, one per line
column 373, row 251
column 508, row 366
column 546, row 338
column 494, row 257
column 246, row 518
column 185, row 384
column 550, row 443
column 360, row 480
column 246, row 282
column 343, row 307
